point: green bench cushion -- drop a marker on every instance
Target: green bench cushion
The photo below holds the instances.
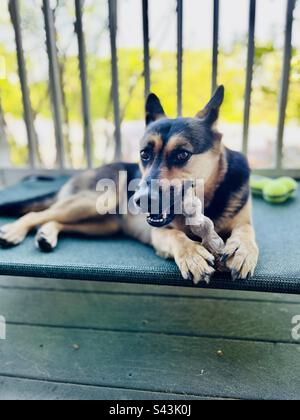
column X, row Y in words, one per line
column 28, row 190
column 125, row 260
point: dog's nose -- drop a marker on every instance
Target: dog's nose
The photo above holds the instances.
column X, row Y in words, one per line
column 138, row 198
column 141, row 196
column 146, row 198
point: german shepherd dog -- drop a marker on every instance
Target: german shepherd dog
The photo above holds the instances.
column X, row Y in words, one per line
column 184, row 149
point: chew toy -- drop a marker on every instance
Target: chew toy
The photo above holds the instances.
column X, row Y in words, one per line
column 274, row 191
column 200, row 225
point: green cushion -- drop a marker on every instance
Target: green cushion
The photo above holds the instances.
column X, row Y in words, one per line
column 125, row 260
column 28, row 190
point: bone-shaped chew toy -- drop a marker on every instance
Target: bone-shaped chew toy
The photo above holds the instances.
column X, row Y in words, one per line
column 200, row 225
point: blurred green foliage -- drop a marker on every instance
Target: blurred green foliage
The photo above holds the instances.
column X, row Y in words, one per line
column 196, row 84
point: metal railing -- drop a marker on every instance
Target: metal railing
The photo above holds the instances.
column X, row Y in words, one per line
column 55, row 87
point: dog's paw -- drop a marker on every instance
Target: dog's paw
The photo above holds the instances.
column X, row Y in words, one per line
column 43, row 244
column 195, row 262
column 240, row 259
column 11, row 235
column 46, row 239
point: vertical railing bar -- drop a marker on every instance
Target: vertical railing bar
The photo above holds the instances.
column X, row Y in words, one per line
column 146, row 37
column 56, row 94
column 249, row 73
column 179, row 55
column 215, row 51
column 14, row 10
column 283, row 99
column 88, row 137
column 113, row 19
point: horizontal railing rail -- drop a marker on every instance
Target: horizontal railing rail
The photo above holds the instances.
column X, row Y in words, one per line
column 55, row 86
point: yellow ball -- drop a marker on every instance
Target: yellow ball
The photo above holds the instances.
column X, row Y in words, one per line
column 290, row 184
column 257, row 184
column 276, row 192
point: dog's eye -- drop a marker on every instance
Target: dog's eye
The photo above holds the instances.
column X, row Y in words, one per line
column 182, row 156
column 145, row 156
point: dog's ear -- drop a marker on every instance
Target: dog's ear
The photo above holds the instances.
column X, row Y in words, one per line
column 210, row 113
column 154, row 109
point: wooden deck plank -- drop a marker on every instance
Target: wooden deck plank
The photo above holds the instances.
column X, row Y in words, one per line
column 153, row 362
column 259, row 321
column 12, row 389
column 168, row 352
column 136, row 289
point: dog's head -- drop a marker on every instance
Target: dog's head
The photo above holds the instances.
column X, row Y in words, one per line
column 175, row 151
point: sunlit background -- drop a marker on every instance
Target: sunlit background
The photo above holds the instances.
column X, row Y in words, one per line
column 198, row 17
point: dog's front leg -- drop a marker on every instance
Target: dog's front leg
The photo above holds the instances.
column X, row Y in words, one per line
column 241, row 252
column 193, row 260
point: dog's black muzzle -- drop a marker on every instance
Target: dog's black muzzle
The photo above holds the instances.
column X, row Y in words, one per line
column 156, row 203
